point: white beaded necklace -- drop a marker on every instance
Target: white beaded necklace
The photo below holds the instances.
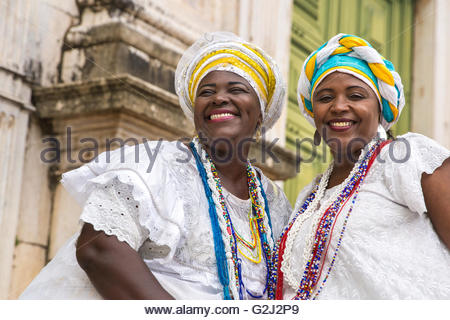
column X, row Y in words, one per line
column 313, row 209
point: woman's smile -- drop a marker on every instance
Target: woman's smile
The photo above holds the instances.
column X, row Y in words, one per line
column 340, row 125
column 221, row 114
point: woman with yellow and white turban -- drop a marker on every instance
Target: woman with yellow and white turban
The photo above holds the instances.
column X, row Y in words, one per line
column 195, row 222
column 376, row 223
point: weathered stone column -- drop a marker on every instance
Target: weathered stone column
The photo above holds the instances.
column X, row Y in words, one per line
column 431, row 77
column 13, row 130
column 267, row 23
column 15, row 107
column 30, row 48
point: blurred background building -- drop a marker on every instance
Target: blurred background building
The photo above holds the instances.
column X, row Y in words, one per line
column 105, row 69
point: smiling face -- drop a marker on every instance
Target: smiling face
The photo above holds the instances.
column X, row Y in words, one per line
column 226, row 106
column 346, row 112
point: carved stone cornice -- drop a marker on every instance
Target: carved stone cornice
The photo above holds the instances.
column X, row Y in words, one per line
column 151, row 14
column 117, row 47
column 118, row 31
column 121, row 93
column 127, row 107
column 117, row 107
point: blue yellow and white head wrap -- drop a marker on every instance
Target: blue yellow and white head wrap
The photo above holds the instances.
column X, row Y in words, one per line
column 224, row 51
column 355, row 56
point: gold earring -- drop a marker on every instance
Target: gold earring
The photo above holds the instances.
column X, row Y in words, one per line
column 258, row 133
column 317, row 138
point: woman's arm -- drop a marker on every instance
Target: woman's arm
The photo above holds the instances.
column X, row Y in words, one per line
column 115, row 269
column 436, row 191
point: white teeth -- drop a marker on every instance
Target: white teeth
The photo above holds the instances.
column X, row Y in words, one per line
column 220, row 115
column 341, row 124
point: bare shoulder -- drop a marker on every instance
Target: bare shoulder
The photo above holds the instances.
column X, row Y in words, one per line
column 436, row 191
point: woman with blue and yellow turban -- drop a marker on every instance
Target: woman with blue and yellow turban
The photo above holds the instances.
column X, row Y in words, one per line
column 188, row 222
column 376, row 223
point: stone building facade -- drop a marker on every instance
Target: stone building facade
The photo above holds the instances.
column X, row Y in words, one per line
column 78, row 71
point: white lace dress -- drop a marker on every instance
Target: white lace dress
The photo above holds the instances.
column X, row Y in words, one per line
column 158, row 206
column 389, row 249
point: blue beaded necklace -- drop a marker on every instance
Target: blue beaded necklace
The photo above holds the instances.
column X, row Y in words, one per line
column 219, row 246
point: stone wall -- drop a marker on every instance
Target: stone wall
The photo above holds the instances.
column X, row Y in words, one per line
column 32, row 33
column 97, row 69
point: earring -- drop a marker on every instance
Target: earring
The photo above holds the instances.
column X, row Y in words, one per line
column 258, row 133
column 381, row 133
column 317, row 138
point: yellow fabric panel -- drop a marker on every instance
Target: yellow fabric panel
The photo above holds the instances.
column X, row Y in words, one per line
column 272, row 81
column 232, row 61
column 381, row 72
column 351, row 42
column 310, row 66
column 341, row 50
column 348, row 68
column 394, row 111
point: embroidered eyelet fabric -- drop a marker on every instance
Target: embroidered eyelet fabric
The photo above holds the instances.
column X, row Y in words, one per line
column 389, row 249
column 163, row 214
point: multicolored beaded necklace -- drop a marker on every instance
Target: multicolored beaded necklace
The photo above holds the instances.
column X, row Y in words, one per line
column 323, row 230
column 255, row 243
column 229, row 264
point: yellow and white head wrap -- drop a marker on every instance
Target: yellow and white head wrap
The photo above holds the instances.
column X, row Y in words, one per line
column 353, row 55
column 224, row 51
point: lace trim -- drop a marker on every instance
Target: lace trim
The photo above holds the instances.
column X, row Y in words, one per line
column 412, row 155
column 112, row 209
column 161, row 230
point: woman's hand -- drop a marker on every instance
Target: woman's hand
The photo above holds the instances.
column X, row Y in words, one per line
column 115, row 269
column 436, row 191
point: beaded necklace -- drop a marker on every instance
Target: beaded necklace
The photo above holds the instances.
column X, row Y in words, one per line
column 255, row 240
column 229, row 264
column 316, row 249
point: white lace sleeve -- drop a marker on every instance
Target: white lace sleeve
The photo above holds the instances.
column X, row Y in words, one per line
column 407, row 158
column 112, row 208
column 149, row 194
